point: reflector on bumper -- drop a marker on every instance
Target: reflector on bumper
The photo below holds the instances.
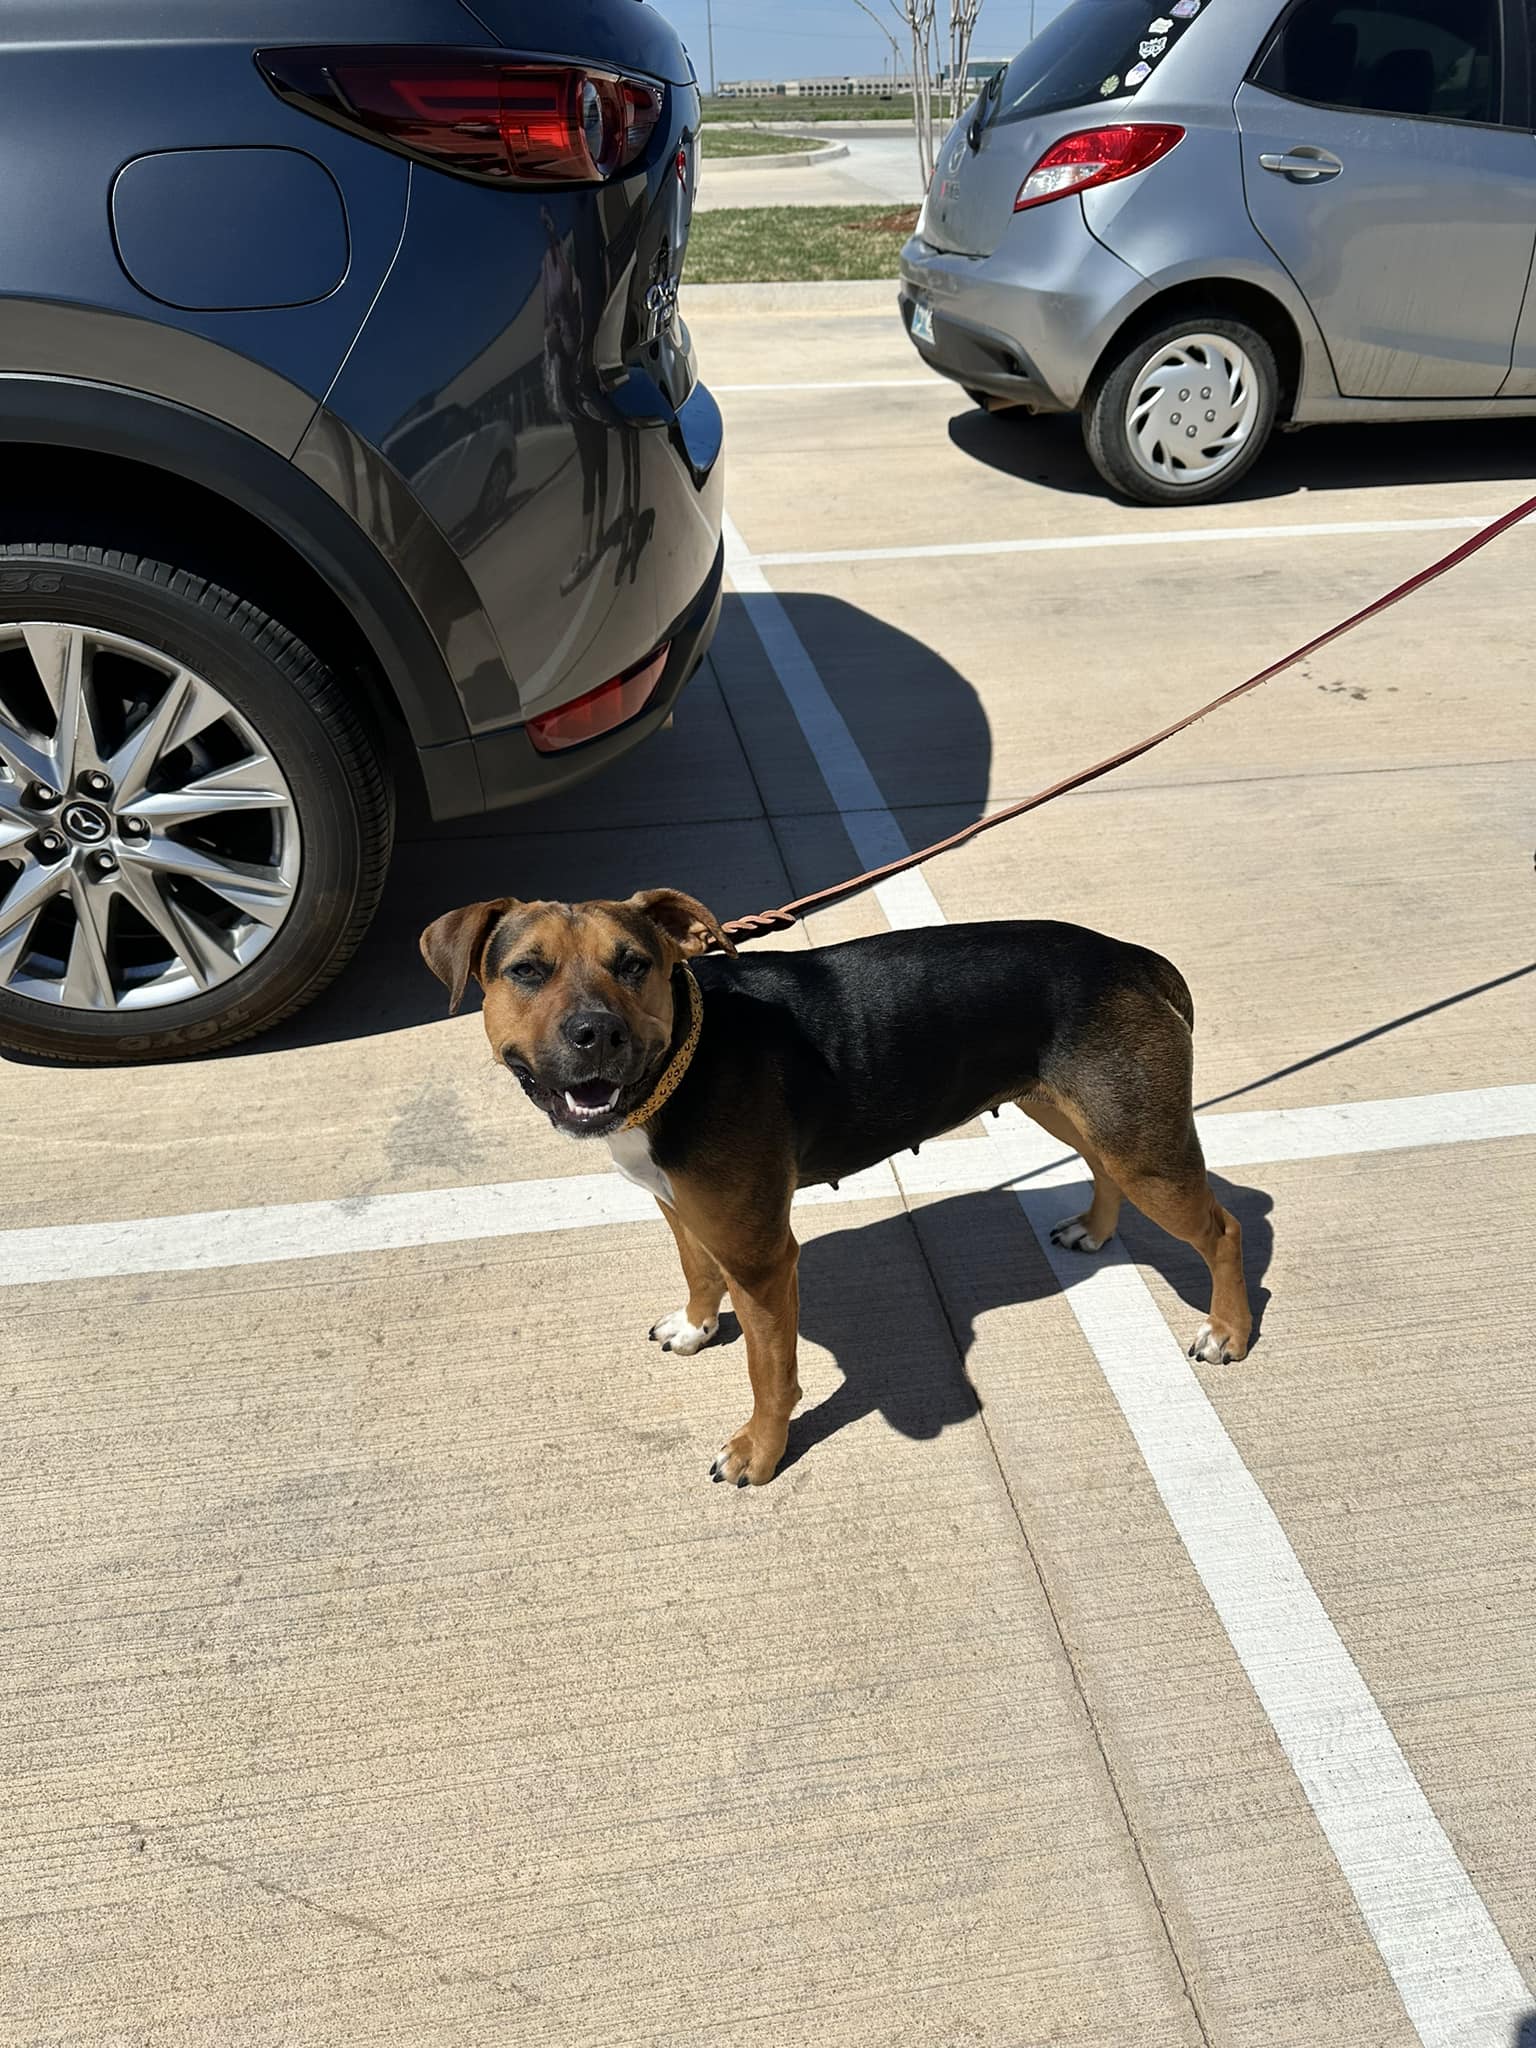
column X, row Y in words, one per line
column 610, row 705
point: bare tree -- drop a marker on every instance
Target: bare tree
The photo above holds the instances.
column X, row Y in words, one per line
column 962, row 26
column 920, row 21
column 919, row 18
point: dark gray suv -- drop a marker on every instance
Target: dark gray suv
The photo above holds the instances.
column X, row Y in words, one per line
column 349, row 436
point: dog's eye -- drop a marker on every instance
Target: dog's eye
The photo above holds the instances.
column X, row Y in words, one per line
column 632, row 967
column 528, row 973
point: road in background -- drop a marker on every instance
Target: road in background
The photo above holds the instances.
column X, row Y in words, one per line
column 879, row 167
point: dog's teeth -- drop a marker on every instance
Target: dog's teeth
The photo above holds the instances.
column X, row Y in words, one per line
column 590, row 1108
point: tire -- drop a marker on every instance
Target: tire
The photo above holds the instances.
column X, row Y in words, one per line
column 1208, row 342
column 280, row 717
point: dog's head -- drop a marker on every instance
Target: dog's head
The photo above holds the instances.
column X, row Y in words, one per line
column 580, row 998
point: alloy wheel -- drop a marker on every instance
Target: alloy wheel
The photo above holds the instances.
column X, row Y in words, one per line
column 149, row 843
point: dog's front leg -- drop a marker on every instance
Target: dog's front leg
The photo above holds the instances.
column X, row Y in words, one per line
column 766, row 1295
column 689, row 1329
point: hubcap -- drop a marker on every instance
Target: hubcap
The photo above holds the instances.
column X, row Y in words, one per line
column 1192, row 409
column 149, row 844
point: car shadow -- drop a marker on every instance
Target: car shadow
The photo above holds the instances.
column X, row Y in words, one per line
column 685, row 810
column 1049, row 451
column 982, row 1255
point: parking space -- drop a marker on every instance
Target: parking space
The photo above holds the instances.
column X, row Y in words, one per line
column 383, row 1666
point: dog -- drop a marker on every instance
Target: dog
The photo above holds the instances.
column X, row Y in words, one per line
column 723, row 1084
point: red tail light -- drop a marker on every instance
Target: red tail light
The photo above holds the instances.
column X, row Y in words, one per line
column 475, row 113
column 610, row 704
column 1095, row 156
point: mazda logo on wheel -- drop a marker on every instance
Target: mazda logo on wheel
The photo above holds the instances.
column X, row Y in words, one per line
column 85, row 823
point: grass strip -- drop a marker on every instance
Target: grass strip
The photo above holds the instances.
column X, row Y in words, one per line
column 796, row 244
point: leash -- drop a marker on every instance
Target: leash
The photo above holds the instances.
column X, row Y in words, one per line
column 789, row 914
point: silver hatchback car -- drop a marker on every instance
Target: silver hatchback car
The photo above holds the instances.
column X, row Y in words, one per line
column 1191, row 222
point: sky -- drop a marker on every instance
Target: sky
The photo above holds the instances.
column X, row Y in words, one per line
column 793, row 38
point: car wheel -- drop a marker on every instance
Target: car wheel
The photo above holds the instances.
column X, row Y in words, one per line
column 1180, row 413
column 194, row 820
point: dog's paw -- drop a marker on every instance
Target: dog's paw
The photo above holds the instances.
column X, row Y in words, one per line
column 750, row 1458
column 1215, row 1346
column 1073, row 1235
column 676, row 1333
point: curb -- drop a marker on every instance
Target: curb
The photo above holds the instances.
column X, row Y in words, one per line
column 790, row 160
column 837, row 294
column 903, row 131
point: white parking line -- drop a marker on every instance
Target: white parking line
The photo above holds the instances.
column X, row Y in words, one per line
column 1452, row 1970
column 47, row 1254
column 875, row 835
column 1457, row 1980
column 1252, row 1137
column 1072, row 543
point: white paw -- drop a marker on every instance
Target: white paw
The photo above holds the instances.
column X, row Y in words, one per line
column 676, row 1333
column 1073, row 1235
column 1211, row 1349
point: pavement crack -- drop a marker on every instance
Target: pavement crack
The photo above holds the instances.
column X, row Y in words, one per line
column 356, row 1923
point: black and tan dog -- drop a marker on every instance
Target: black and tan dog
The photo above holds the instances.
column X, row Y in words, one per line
column 724, row 1088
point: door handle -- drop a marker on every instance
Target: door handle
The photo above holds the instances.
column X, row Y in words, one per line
column 1303, row 165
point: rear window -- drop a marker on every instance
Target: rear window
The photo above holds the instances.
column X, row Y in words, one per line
column 1095, row 50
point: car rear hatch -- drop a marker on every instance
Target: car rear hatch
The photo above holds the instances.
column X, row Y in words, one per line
column 640, row 349
column 626, row 33
column 1084, row 68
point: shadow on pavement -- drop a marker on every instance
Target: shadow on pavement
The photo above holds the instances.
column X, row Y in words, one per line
column 684, row 810
column 1050, row 451
column 1525, row 2037
column 982, row 1255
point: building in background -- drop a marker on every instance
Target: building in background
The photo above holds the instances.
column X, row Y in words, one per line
column 880, row 86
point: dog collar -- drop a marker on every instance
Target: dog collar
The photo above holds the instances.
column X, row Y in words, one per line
column 679, row 1063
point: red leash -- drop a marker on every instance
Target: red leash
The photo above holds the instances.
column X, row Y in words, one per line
column 788, row 914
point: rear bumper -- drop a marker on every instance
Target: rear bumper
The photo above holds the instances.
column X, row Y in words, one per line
column 978, row 357
column 1030, row 321
column 503, row 768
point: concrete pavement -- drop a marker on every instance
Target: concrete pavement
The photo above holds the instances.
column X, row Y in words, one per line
column 382, row 1667
column 873, row 168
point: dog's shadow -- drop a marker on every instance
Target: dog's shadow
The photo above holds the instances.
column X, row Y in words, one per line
column 902, row 1354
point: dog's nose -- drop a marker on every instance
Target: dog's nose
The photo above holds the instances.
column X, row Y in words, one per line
column 595, row 1031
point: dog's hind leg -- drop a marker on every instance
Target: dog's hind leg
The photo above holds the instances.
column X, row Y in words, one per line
column 1179, row 1197
column 1096, row 1225
column 1125, row 1083
column 689, row 1329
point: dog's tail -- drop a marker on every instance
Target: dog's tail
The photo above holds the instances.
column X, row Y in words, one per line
column 1172, row 987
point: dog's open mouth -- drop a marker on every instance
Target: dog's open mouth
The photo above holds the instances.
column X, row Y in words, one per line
column 580, row 1108
column 590, row 1100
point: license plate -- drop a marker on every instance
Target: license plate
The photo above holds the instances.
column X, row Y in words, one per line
column 922, row 322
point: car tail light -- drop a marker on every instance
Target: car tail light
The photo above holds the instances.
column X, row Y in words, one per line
column 610, row 704
column 474, row 113
column 1095, row 156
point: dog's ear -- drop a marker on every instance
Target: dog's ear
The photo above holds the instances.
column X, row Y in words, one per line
column 682, row 919
column 452, row 946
